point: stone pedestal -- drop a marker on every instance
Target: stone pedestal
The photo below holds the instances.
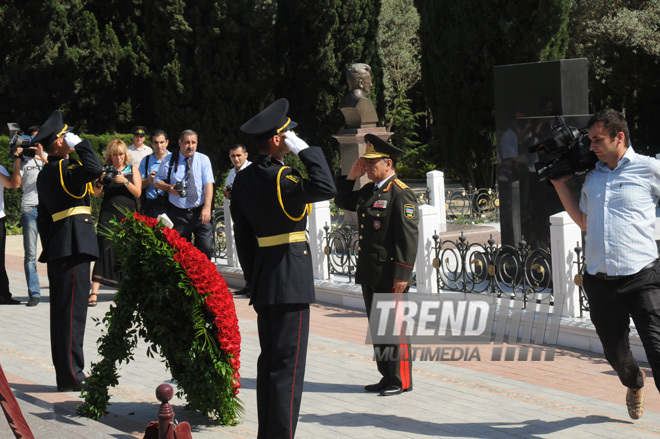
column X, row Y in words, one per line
column 351, row 147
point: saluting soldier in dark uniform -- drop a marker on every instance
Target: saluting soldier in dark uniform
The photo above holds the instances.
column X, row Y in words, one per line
column 269, row 206
column 387, row 217
column 69, row 243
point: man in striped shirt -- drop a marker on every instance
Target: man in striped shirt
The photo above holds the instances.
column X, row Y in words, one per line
column 617, row 210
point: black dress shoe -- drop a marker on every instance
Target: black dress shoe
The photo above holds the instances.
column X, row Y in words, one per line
column 244, row 292
column 376, row 387
column 391, row 390
column 74, row 388
column 9, row 301
column 34, row 301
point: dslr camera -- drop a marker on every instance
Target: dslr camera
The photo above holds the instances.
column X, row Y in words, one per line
column 567, row 150
column 18, row 139
column 110, row 173
column 182, row 188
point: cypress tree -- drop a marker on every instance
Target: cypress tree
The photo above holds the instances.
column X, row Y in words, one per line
column 461, row 43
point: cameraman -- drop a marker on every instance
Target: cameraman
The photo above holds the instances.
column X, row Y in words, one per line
column 27, row 176
column 617, row 210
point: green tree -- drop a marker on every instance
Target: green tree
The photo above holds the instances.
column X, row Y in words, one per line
column 399, row 49
column 461, row 43
column 622, row 43
column 316, row 41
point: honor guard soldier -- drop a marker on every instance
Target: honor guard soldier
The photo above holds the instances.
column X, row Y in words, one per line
column 269, row 206
column 387, row 217
column 69, row 242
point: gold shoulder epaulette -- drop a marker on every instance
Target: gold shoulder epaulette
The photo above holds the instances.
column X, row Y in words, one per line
column 401, row 184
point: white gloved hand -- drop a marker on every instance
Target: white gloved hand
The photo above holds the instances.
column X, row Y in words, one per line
column 295, row 143
column 72, row 140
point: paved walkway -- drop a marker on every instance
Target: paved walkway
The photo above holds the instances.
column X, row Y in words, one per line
column 576, row 395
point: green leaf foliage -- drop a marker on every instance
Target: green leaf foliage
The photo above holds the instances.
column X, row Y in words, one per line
column 621, row 39
column 157, row 301
column 461, row 43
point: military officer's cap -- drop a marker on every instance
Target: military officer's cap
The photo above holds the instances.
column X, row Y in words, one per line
column 270, row 121
column 139, row 131
column 51, row 129
column 379, row 148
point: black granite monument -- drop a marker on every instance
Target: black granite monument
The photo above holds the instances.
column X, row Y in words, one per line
column 527, row 97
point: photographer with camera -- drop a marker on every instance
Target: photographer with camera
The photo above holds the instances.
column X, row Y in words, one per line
column 30, row 161
column 616, row 208
column 121, row 186
column 188, row 178
column 154, row 200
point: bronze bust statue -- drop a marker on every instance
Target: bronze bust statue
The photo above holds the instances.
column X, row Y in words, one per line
column 358, row 110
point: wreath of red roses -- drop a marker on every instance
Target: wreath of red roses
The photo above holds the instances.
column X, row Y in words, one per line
column 206, row 280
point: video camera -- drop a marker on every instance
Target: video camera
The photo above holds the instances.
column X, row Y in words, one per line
column 110, row 173
column 18, row 139
column 570, row 145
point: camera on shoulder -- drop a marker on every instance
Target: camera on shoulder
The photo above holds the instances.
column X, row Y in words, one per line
column 18, row 139
column 566, row 150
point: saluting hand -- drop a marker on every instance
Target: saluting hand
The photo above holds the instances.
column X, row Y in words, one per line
column 357, row 170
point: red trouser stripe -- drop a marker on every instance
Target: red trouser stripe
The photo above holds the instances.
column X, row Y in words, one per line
column 295, row 369
column 73, row 296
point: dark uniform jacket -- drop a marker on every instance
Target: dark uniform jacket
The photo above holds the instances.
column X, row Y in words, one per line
column 74, row 234
column 282, row 273
column 387, row 230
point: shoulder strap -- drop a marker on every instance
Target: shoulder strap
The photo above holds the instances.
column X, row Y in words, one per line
column 174, row 158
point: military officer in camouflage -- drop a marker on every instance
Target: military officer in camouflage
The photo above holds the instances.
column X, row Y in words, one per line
column 387, row 217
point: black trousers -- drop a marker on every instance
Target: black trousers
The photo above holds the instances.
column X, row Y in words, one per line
column 396, row 366
column 283, row 335
column 153, row 207
column 69, row 284
column 4, row 279
column 612, row 303
column 188, row 223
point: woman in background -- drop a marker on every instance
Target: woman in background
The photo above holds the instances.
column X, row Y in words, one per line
column 120, row 188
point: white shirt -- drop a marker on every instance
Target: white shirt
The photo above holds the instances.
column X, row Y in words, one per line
column 29, row 172
column 2, row 192
column 620, row 206
column 232, row 173
column 135, row 155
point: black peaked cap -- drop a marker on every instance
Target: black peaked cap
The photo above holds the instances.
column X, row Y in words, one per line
column 51, row 129
column 377, row 147
column 270, row 121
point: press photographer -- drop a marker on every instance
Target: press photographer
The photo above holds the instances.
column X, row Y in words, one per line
column 616, row 208
column 188, row 178
column 30, row 159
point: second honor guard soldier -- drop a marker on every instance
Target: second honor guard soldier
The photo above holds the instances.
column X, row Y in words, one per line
column 387, row 216
column 269, row 206
column 69, row 243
